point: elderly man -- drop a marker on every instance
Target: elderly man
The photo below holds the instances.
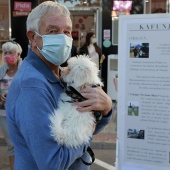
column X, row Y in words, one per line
column 35, row 92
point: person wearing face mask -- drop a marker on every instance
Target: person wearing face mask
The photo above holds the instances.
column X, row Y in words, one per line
column 91, row 48
column 11, row 52
column 35, row 92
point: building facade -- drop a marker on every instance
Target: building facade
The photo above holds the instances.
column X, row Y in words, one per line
column 99, row 16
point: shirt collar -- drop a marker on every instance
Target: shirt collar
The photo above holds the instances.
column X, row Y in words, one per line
column 39, row 64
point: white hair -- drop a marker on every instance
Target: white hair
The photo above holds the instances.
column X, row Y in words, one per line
column 37, row 13
column 11, row 45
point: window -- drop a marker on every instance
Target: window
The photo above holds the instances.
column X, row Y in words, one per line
column 4, row 20
column 156, row 6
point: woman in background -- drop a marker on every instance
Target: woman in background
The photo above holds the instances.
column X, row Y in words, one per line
column 11, row 52
column 91, row 48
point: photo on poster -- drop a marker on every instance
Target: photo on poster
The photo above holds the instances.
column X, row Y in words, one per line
column 133, row 108
column 139, row 50
column 135, row 134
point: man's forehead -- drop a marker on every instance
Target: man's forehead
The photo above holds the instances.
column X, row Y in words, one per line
column 53, row 19
column 54, row 14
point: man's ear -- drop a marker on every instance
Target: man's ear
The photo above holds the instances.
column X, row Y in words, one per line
column 30, row 35
column 32, row 39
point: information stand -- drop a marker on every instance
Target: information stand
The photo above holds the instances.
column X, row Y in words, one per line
column 144, row 92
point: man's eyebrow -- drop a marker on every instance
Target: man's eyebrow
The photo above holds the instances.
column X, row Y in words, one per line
column 56, row 27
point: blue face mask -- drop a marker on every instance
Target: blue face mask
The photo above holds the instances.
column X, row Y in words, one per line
column 94, row 40
column 56, row 48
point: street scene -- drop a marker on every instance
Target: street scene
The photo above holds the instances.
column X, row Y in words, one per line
column 57, row 54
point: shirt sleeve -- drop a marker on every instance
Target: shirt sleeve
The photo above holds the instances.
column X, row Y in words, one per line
column 105, row 120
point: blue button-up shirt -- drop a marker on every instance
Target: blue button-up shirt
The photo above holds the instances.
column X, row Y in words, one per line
column 32, row 97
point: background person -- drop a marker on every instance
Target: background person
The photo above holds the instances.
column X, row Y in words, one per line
column 91, row 48
column 11, row 52
column 37, row 92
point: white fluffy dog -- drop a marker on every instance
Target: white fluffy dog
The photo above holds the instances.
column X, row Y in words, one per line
column 68, row 126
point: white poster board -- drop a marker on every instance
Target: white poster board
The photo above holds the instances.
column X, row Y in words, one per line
column 144, row 92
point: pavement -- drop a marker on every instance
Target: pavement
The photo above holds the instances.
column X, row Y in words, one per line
column 104, row 140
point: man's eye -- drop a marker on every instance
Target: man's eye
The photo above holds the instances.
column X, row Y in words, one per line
column 67, row 33
column 52, row 31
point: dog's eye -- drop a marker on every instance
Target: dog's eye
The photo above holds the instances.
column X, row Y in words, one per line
column 66, row 70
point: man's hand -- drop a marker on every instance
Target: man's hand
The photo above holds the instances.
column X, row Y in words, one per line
column 97, row 99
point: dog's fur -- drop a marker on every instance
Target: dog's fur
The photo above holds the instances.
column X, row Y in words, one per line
column 68, row 126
